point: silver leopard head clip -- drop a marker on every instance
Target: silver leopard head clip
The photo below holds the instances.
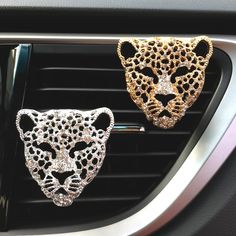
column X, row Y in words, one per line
column 64, row 149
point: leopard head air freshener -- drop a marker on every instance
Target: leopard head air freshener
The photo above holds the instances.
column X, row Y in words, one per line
column 64, row 149
column 165, row 76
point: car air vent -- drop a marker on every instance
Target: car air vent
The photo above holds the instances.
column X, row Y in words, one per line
column 86, row 77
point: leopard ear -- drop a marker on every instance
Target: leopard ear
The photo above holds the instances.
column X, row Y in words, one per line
column 25, row 121
column 126, row 49
column 202, row 46
column 104, row 120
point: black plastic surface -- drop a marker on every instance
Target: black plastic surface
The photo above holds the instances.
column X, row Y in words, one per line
column 157, row 17
column 14, row 81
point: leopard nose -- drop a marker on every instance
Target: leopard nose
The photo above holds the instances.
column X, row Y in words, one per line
column 62, row 176
column 164, row 99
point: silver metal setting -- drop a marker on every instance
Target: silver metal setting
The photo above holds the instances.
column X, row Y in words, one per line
column 64, row 150
column 128, row 128
column 208, row 155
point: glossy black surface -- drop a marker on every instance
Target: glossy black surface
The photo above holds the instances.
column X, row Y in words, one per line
column 156, row 16
column 13, row 93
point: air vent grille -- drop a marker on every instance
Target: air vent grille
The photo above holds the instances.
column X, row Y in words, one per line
column 87, row 77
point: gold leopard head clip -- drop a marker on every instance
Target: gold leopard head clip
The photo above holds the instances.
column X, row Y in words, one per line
column 165, row 76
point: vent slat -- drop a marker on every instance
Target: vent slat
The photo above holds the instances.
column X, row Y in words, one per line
column 96, row 69
column 115, row 187
column 86, row 100
column 77, row 49
column 150, row 154
column 82, row 200
column 91, row 90
column 116, row 176
column 139, row 112
column 87, row 90
column 188, row 112
column 76, row 69
column 100, row 77
column 126, row 164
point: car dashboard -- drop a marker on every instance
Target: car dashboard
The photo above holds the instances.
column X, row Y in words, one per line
column 63, row 55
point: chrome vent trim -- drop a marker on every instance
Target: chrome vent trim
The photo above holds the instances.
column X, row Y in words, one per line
column 202, row 163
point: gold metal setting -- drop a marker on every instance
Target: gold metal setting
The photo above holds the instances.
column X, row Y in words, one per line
column 164, row 75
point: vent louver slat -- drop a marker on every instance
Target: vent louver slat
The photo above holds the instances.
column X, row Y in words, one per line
column 86, row 77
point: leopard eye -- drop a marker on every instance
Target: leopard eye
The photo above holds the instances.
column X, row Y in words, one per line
column 147, row 71
column 183, row 70
column 79, row 146
column 46, row 147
